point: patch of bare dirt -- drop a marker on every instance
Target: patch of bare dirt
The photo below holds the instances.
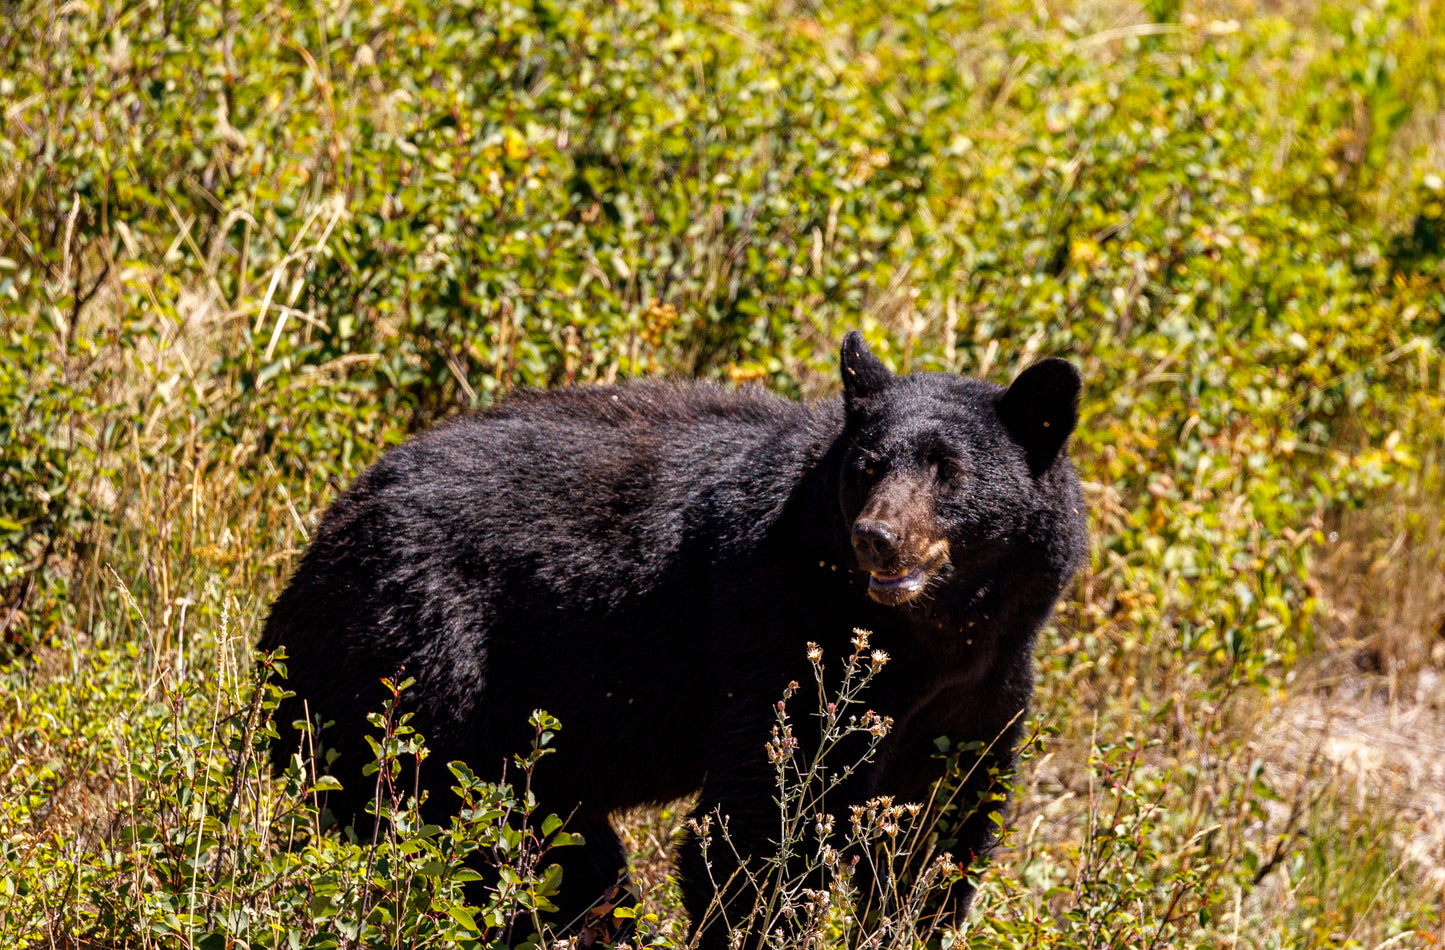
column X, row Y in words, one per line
column 1388, row 749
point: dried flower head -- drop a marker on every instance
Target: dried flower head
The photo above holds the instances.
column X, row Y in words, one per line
column 875, row 724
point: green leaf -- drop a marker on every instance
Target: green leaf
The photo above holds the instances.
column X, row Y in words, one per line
column 464, row 916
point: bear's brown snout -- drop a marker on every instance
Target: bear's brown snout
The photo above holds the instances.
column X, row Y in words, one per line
column 895, row 539
column 876, row 543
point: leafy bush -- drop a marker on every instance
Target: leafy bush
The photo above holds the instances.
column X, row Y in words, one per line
column 189, row 843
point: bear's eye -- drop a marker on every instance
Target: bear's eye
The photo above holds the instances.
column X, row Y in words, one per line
column 950, row 470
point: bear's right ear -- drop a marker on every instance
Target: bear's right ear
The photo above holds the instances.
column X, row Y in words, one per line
column 864, row 375
column 1041, row 408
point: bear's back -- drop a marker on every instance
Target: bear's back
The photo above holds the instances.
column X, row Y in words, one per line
column 582, row 485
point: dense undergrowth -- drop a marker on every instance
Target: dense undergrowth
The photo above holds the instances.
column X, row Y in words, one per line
column 246, row 244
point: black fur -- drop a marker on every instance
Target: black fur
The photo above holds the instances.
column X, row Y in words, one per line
column 647, row 563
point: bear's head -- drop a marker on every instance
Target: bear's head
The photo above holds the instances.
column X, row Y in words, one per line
column 945, row 477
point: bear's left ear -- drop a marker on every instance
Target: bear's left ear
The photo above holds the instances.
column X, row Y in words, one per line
column 1041, row 408
column 864, row 374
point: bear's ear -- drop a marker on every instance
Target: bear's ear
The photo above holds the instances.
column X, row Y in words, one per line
column 1041, row 408
column 864, row 375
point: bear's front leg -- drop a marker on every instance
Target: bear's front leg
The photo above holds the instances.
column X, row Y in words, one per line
column 721, row 865
column 922, row 877
column 728, row 859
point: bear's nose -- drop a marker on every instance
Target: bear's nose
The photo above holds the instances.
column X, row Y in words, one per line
column 876, row 542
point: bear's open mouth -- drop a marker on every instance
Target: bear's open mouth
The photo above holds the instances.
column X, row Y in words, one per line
column 905, row 581
column 896, row 587
column 901, row 586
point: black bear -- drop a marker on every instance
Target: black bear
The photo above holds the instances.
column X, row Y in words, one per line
column 648, row 563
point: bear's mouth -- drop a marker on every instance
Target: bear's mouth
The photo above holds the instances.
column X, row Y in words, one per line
column 911, row 581
column 898, row 587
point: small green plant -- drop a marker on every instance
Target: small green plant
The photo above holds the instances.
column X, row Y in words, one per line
column 202, row 847
column 484, row 877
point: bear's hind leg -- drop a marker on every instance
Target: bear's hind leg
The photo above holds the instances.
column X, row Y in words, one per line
column 594, row 882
